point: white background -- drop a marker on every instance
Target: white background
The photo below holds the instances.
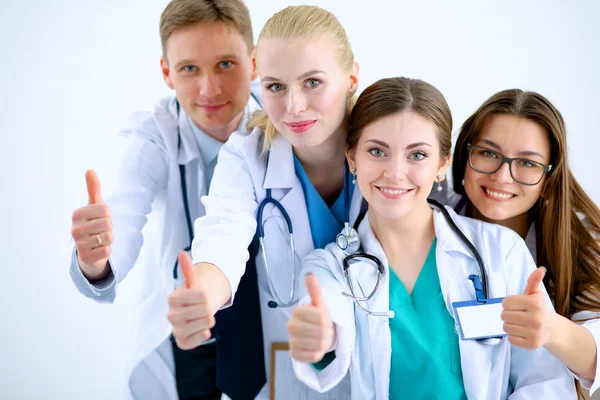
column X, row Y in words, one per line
column 71, row 72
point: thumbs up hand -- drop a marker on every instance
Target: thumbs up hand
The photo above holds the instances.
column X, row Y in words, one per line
column 526, row 319
column 190, row 310
column 312, row 334
column 92, row 232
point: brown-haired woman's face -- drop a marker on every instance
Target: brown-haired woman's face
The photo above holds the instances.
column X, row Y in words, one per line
column 396, row 161
column 498, row 196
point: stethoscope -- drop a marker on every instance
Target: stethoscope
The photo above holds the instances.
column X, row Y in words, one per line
column 350, row 238
column 184, row 194
column 355, row 253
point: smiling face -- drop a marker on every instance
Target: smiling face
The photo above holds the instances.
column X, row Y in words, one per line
column 397, row 160
column 305, row 90
column 497, row 196
column 210, row 68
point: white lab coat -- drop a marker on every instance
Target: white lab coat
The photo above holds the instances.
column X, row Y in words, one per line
column 588, row 319
column 149, row 180
column 222, row 236
column 364, row 342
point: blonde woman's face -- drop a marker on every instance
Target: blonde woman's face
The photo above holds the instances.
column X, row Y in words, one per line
column 305, row 90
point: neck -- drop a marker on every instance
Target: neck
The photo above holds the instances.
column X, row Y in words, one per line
column 519, row 224
column 221, row 133
column 405, row 234
column 328, row 156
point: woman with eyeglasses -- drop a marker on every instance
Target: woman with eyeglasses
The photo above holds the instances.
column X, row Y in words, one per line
column 510, row 168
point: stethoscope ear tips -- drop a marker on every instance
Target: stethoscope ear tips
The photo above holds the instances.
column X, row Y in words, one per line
column 272, row 304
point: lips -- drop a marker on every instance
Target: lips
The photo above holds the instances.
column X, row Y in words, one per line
column 392, row 192
column 302, row 126
column 497, row 194
column 212, row 107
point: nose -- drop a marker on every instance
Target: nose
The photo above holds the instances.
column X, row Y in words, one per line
column 296, row 102
column 210, row 86
column 395, row 170
column 503, row 174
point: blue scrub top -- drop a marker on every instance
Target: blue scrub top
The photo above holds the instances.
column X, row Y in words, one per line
column 325, row 222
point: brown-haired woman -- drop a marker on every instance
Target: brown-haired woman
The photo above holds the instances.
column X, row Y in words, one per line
column 510, row 167
column 401, row 341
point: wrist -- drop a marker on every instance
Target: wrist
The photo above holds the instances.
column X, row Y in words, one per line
column 556, row 331
column 92, row 273
column 219, row 287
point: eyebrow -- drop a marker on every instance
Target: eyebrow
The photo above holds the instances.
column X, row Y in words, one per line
column 409, row 147
column 303, row 76
column 520, row 154
column 223, row 57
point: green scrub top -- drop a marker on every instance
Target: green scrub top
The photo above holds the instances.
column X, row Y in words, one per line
column 425, row 360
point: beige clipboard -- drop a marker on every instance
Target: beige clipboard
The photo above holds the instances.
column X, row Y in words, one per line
column 275, row 347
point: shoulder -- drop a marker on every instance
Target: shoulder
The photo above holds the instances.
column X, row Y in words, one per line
column 483, row 234
column 152, row 124
column 248, row 145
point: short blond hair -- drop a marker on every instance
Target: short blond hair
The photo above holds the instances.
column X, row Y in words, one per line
column 183, row 13
column 303, row 21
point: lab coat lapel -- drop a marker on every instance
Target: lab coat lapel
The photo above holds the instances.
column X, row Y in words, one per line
column 379, row 329
column 455, row 263
column 189, row 157
column 281, row 178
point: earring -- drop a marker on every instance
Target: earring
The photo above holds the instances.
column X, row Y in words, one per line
column 462, row 182
column 354, row 176
column 439, row 183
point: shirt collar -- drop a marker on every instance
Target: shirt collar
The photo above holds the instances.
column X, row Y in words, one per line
column 207, row 145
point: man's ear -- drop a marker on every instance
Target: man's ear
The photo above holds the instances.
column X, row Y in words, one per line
column 166, row 71
column 253, row 61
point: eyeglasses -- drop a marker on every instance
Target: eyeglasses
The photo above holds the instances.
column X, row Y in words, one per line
column 522, row 170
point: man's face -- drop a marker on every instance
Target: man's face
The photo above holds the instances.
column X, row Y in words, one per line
column 210, row 68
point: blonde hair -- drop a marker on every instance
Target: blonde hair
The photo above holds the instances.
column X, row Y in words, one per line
column 303, row 21
column 183, row 13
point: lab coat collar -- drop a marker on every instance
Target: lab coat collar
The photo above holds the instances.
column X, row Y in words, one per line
column 279, row 175
column 448, row 240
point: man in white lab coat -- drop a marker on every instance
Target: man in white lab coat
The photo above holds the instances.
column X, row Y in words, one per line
column 208, row 61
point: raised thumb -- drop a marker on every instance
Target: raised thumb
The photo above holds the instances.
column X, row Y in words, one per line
column 534, row 281
column 187, row 269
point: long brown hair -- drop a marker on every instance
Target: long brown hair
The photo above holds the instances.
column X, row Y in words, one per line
column 568, row 249
column 394, row 95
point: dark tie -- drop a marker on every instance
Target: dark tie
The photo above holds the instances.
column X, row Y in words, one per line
column 240, row 355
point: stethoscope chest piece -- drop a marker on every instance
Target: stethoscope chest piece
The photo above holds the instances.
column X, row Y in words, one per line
column 347, row 240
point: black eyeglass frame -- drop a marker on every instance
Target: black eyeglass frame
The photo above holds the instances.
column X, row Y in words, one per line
column 507, row 160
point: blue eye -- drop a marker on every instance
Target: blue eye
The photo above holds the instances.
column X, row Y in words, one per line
column 190, row 68
column 377, row 153
column 418, row 156
column 276, row 87
column 313, row 83
column 225, row 64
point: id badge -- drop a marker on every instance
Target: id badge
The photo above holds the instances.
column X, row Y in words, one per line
column 478, row 320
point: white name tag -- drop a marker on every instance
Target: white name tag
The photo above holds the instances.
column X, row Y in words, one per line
column 479, row 320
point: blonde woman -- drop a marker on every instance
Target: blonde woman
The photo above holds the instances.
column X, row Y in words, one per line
column 308, row 76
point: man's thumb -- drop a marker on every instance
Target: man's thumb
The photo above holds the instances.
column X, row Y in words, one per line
column 93, row 187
